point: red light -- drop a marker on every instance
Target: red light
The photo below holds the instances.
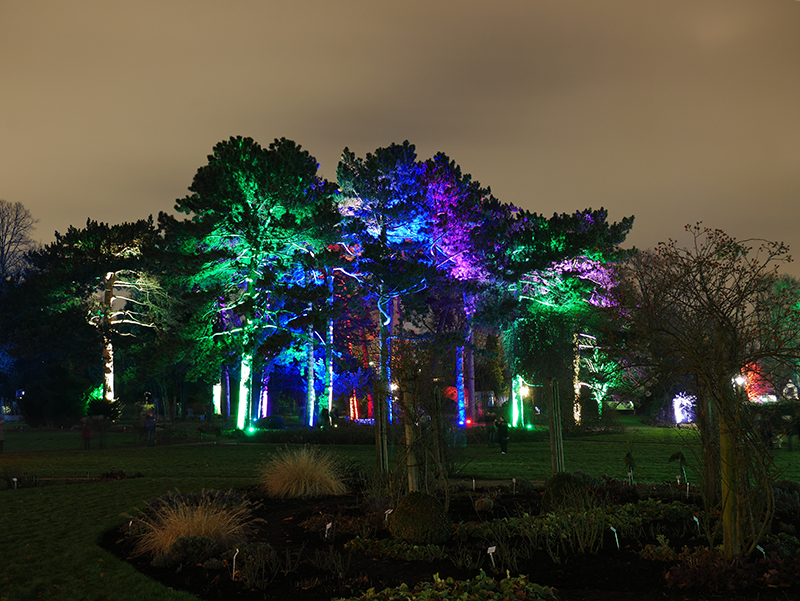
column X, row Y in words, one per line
column 469, row 421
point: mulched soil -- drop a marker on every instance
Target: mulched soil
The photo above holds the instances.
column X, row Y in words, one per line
column 299, row 526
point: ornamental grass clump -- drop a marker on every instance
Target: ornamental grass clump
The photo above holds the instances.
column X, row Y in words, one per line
column 303, row 472
column 224, row 518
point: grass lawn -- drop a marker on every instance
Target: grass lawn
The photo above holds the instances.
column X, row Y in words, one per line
column 49, row 534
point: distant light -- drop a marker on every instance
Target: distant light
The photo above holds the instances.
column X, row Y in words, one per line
column 683, row 407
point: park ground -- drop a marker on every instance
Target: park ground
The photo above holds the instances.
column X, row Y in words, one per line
column 52, row 522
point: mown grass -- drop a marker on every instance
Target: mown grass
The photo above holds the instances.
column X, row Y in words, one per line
column 49, row 534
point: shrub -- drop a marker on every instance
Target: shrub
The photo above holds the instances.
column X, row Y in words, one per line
column 193, row 549
column 395, row 549
column 484, row 504
column 566, row 489
column 522, row 486
column 787, row 497
column 302, row 472
column 420, row 519
column 271, row 422
column 482, row 587
column 225, row 518
column 258, row 564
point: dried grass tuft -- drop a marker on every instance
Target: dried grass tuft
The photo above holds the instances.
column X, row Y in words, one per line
column 303, row 472
column 225, row 519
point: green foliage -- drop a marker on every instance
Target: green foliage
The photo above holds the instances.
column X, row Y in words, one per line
column 421, row 519
column 783, row 545
column 108, row 409
column 483, row 588
column 395, row 549
column 787, row 497
column 660, row 551
column 571, row 531
column 303, row 472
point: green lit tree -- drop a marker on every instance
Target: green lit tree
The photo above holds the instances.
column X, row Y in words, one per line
column 256, row 213
column 555, row 271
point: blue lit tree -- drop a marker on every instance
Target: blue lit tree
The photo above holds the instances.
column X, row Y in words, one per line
column 386, row 224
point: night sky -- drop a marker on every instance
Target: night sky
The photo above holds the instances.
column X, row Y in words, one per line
column 674, row 111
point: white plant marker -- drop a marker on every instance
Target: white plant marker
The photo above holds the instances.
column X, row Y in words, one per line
column 491, row 551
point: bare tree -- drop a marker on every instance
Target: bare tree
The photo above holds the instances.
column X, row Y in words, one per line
column 707, row 312
column 16, row 224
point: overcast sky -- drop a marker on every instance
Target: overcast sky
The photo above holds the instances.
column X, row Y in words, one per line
column 676, row 111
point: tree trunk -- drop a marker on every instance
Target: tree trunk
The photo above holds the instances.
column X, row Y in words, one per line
column 460, row 391
column 329, row 350
column 556, row 435
column 107, row 325
column 470, row 377
column 311, row 397
column 381, row 396
column 411, row 455
column 245, row 387
column 226, row 393
column 729, row 488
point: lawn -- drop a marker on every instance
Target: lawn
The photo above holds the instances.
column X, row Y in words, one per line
column 48, row 544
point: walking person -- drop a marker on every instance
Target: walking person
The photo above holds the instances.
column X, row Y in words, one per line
column 502, row 434
column 150, row 428
column 86, row 434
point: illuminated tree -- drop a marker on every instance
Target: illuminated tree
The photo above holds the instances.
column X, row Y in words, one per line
column 459, row 210
column 559, row 275
column 104, row 270
column 255, row 213
column 710, row 310
column 386, row 222
column 411, row 227
column 16, row 225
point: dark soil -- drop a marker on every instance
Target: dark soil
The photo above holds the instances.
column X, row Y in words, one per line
column 299, row 527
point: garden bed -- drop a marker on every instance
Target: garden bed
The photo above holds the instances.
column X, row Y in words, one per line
column 314, row 561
